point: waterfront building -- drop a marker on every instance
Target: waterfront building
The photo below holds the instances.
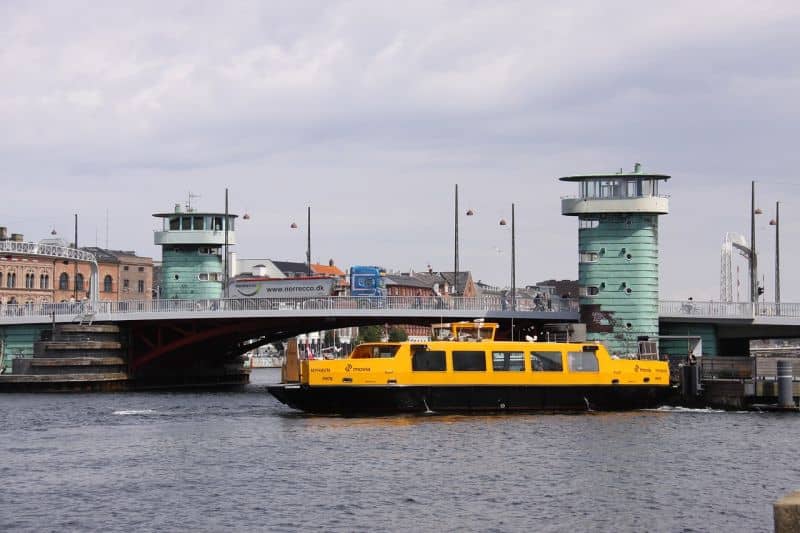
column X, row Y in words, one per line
column 123, row 275
column 25, row 279
column 445, row 285
column 31, row 279
column 332, row 271
column 192, row 252
column 618, row 255
column 410, row 286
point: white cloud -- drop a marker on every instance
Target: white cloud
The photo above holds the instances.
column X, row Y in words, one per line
column 370, row 112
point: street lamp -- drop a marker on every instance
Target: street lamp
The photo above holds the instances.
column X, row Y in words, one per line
column 777, row 223
column 513, row 261
column 753, row 255
column 308, row 242
column 455, row 249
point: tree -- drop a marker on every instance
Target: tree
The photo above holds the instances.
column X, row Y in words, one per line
column 370, row 334
column 397, row 334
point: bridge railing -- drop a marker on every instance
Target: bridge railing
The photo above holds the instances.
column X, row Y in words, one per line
column 743, row 310
column 706, row 309
column 768, row 309
column 86, row 308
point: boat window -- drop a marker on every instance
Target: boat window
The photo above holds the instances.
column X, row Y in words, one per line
column 472, row 361
column 424, row 360
column 197, row 223
column 546, row 362
column 375, row 351
column 442, row 333
column 384, row 352
column 583, row 362
column 174, row 223
column 514, row 361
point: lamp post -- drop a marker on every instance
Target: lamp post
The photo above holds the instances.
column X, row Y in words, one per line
column 455, row 250
column 777, row 223
column 225, row 266
column 308, row 239
column 513, row 261
column 753, row 255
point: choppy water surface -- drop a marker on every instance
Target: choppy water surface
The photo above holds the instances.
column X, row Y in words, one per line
column 241, row 461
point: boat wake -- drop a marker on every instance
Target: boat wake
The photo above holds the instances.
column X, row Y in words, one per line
column 428, row 410
column 135, row 412
column 678, row 409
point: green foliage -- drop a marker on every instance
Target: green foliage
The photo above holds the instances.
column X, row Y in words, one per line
column 370, row 334
column 397, row 334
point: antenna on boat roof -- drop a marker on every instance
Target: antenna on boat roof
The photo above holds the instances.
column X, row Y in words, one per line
column 191, row 197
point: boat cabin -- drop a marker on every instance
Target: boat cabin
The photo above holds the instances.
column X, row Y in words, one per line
column 464, row 331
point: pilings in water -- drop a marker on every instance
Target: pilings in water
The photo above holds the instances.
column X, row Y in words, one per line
column 785, row 378
column 786, row 513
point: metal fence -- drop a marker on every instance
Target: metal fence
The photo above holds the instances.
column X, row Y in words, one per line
column 87, row 308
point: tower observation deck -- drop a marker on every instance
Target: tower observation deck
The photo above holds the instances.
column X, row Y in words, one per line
column 618, row 255
column 192, row 252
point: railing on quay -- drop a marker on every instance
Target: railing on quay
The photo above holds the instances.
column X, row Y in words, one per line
column 87, row 308
column 744, row 368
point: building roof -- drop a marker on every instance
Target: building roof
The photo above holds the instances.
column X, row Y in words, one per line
column 249, row 266
column 562, row 287
column 293, row 268
column 432, row 278
column 405, row 280
column 105, row 255
column 327, row 270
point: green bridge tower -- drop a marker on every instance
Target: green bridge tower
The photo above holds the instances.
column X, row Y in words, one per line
column 618, row 255
column 192, row 253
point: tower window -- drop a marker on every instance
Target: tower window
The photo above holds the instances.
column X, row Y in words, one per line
column 590, row 290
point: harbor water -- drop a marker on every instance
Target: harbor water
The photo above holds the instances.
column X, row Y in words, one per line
column 241, row 461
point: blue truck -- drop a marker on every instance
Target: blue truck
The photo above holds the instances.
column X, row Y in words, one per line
column 367, row 281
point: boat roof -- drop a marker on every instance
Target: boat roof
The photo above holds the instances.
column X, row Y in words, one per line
column 193, row 214
column 626, row 175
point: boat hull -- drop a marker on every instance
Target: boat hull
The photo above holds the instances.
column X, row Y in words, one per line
column 473, row 398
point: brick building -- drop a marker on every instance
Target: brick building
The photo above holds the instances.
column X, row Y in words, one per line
column 25, row 279
column 34, row 279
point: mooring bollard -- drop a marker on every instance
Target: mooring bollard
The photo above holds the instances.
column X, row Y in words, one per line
column 785, row 395
column 786, row 513
column 690, row 381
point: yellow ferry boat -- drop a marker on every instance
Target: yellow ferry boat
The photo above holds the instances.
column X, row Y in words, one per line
column 464, row 369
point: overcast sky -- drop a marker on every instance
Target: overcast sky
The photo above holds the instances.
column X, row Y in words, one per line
column 370, row 113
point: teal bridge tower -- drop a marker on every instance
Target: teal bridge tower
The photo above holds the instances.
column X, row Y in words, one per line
column 192, row 251
column 618, row 255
